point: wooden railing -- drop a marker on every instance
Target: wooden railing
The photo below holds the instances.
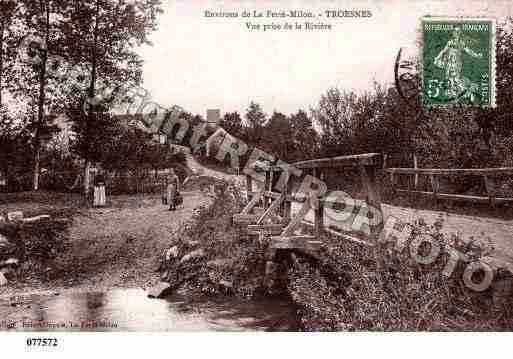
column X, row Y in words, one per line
column 275, row 216
column 489, row 176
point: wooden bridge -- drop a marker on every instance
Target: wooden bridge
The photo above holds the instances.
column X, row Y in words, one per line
column 269, row 211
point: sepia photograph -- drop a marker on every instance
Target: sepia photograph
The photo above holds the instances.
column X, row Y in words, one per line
column 255, row 166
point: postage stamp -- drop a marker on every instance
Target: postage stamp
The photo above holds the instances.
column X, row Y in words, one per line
column 458, row 61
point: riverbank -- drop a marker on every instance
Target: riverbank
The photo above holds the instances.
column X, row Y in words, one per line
column 114, row 247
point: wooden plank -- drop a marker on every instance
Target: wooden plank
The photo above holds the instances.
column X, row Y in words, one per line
column 319, row 211
column 266, row 187
column 416, row 166
column 295, row 198
column 272, row 208
column 249, row 187
column 244, row 218
column 341, row 235
column 372, row 159
column 294, row 223
column 258, row 229
column 348, row 237
column 269, row 226
column 319, row 219
column 435, row 185
column 453, row 171
column 274, row 195
column 287, row 207
column 393, row 182
column 304, row 242
column 252, row 203
column 490, row 189
column 368, row 174
column 459, row 197
column 258, row 210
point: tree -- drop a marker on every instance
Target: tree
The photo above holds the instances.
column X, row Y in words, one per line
column 305, row 137
column 278, row 134
column 33, row 81
column 256, row 118
column 8, row 14
column 232, row 123
column 14, row 140
column 101, row 36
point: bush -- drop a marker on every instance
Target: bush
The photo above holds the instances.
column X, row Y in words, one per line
column 342, row 289
column 403, row 295
column 37, row 244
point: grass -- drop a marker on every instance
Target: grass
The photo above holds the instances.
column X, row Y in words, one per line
column 342, row 290
column 116, row 246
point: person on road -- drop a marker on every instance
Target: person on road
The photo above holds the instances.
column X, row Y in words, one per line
column 99, row 190
column 172, row 189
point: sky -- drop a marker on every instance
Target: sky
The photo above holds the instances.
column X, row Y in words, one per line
column 200, row 62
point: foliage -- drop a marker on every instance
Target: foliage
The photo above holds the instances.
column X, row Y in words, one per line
column 342, row 290
column 230, row 256
column 402, row 295
column 14, row 157
column 37, row 244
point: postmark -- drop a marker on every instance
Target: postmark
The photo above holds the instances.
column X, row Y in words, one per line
column 458, row 61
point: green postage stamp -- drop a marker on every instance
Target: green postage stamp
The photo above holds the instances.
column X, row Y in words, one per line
column 458, row 61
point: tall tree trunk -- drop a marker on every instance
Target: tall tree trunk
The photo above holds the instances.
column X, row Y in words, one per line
column 87, row 177
column 91, row 94
column 2, row 31
column 41, row 102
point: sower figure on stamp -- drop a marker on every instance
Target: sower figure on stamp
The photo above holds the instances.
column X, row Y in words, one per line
column 451, row 60
column 172, row 189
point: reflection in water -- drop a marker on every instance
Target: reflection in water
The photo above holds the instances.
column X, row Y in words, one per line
column 131, row 310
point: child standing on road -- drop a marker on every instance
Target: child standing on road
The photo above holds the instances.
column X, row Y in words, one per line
column 172, row 189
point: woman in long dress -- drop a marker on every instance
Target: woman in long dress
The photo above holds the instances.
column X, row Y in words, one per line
column 99, row 191
column 172, row 189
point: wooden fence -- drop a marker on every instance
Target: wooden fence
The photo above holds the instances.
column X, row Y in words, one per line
column 489, row 176
column 269, row 211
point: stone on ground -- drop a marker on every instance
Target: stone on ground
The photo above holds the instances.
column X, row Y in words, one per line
column 15, row 216
column 36, row 218
column 171, row 253
column 3, row 280
column 198, row 253
column 9, row 262
column 160, row 290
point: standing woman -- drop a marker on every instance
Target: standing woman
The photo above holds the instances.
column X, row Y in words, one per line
column 172, row 189
column 99, row 190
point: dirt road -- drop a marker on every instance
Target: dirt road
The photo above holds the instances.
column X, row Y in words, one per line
column 114, row 247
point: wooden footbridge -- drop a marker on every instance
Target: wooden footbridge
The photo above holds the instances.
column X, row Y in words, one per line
column 269, row 210
column 268, row 213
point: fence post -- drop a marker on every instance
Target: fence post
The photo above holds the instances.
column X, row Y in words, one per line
column 287, row 204
column 318, row 208
column 267, row 185
column 393, row 182
column 435, row 185
column 415, row 165
column 368, row 174
column 490, row 189
column 249, row 187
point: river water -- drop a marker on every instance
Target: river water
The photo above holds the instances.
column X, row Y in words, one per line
column 132, row 310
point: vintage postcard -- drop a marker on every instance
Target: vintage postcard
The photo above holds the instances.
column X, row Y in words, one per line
column 329, row 166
